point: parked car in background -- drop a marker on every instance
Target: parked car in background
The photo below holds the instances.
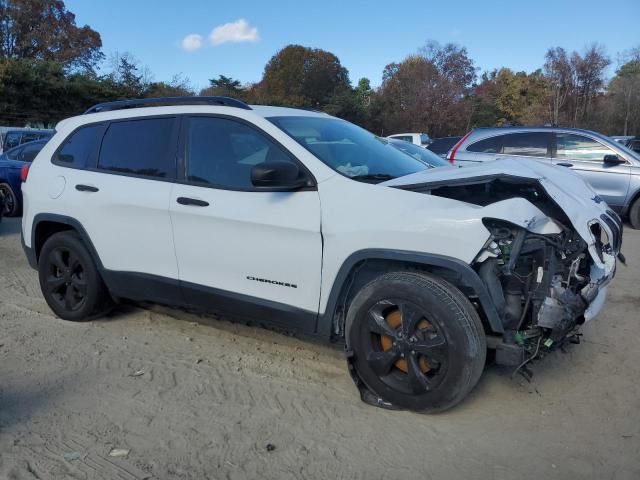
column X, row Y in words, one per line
column 310, row 222
column 11, row 163
column 621, row 138
column 630, row 142
column 419, row 153
column 612, row 169
column 421, row 139
column 18, row 136
column 441, row 146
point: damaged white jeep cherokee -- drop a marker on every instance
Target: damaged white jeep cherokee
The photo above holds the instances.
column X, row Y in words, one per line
column 307, row 222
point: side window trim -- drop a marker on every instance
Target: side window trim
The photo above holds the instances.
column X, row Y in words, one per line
column 182, row 160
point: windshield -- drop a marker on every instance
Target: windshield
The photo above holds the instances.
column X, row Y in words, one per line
column 349, row 149
column 420, row 153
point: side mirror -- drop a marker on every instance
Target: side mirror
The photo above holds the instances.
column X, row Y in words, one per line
column 613, row 160
column 280, row 175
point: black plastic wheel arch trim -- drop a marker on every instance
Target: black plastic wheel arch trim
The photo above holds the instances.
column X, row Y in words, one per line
column 469, row 277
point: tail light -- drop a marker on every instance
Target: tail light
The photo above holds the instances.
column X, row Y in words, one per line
column 452, row 154
column 24, row 173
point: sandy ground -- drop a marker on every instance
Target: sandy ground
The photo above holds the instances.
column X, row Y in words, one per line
column 202, row 398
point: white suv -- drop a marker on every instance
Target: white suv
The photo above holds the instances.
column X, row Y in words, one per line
column 310, row 223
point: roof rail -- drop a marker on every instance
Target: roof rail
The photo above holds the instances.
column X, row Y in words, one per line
column 167, row 101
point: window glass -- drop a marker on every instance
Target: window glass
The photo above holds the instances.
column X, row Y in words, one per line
column 349, row 149
column 404, row 138
column 80, row 148
column 29, row 152
column 424, row 139
column 12, row 140
column 443, row 145
column 635, row 145
column 139, row 147
column 222, row 152
column 532, row 144
column 29, row 137
column 488, row 145
column 419, row 153
column 14, row 153
column 578, row 147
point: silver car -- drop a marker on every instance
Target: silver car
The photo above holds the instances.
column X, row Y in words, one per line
column 612, row 169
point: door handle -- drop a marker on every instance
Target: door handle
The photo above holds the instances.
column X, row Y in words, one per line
column 87, row 188
column 565, row 164
column 192, row 201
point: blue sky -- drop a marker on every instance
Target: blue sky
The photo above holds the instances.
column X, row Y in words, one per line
column 363, row 35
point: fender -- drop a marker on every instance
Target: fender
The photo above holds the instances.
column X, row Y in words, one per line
column 466, row 274
column 63, row 219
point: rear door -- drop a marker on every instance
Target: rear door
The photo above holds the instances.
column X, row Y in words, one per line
column 117, row 184
column 243, row 250
column 585, row 156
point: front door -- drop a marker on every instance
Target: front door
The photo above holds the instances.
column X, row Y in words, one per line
column 585, row 156
column 242, row 251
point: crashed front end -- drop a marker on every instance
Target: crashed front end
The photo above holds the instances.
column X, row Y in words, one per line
column 550, row 254
column 546, row 285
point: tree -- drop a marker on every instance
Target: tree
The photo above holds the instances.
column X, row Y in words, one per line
column 224, row 86
column 301, row 76
column 625, row 90
column 559, row 73
column 178, row 86
column 428, row 92
column 589, row 80
column 127, row 74
column 46, row 30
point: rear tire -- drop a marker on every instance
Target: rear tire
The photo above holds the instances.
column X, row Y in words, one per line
column 10, row 205
column 634, row 215
column 69, row 279
column 417, row 342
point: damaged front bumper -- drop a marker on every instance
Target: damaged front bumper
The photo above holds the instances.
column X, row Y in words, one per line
column 546, row 286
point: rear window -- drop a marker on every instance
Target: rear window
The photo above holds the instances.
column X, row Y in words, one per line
column 443, row 145
column 488, row 145
column 140, row 147
column 533, row 144
column 79, row 150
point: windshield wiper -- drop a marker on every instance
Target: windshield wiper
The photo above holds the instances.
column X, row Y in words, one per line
column 373, row 177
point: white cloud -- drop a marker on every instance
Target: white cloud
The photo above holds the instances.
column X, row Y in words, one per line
column 191, row 42
column 234, row 32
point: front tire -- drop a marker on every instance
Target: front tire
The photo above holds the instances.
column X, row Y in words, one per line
column 634, row 215
column 69, row 279
column 417, row 342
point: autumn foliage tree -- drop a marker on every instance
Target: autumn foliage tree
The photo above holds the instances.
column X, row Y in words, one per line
column 302, row 76
column 46, row 30
column 427, row 92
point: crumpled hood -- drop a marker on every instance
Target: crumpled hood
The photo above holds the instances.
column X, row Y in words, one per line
column 570, row 192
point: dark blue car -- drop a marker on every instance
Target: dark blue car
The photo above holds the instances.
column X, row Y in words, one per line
column 11, row 163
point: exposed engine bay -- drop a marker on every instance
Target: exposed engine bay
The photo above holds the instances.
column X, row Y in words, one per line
column 541, row 278
column 538, row 284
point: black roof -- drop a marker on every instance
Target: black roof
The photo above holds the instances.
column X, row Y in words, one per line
column 167, row 101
